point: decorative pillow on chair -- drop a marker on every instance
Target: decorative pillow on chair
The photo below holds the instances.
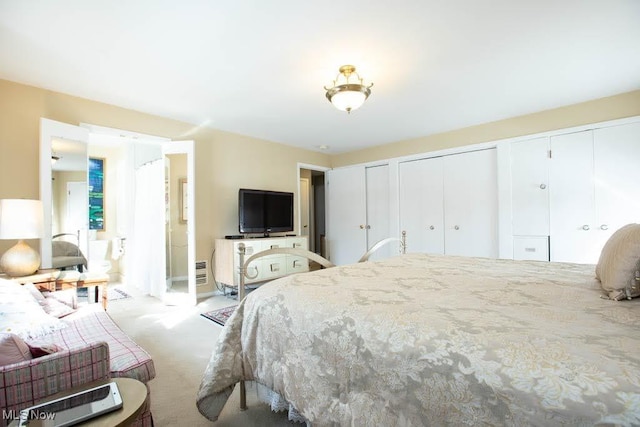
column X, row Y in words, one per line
column 13, row 349
column 619, row 261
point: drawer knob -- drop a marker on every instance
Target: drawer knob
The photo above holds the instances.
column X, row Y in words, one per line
column 604, row 227
column 456, row 227
column 432, row 228
column 543, row 186
column 585, row 227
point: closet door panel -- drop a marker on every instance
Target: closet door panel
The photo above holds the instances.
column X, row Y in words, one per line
column 529, row 187
column 617, row 178
column 471, row 204
column 347, row 214
column 571, row 199
column 421, row 205
column 377, row 228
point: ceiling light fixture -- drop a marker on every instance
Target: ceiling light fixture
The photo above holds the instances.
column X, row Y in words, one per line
column 348, row 92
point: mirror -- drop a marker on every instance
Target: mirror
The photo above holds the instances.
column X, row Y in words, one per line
column 69, row 204
column 176, row 224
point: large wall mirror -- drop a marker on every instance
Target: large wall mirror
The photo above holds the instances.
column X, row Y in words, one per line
column 63, row 191
column 69, row 203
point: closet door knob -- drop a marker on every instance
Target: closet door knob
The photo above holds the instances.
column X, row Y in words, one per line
column 361, row 227
column 604, row 227
column 543, row 186
column 456, row 227
column 368, row 227
column 585, row 227
column 432, row 228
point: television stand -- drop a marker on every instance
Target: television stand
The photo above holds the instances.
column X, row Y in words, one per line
column 268, row 268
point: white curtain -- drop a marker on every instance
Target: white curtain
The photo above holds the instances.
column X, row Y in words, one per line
column 147, row 234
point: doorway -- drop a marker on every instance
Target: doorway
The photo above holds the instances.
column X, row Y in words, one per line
column 131, row 158
column 312, row 208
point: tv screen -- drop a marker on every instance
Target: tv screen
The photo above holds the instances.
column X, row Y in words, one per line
column 262, row 211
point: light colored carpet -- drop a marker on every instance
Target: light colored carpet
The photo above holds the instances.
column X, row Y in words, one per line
column 180, row 342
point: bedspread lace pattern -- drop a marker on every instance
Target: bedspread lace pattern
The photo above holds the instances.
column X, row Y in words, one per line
column 436, row 340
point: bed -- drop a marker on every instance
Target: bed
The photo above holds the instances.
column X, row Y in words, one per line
column 439, row 340
column 67, row 254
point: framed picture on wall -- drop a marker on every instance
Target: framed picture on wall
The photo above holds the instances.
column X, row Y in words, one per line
column 182, row 183
column 96, row 193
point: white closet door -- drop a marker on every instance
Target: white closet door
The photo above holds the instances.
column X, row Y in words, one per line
column 617, row 178
column 346, row 214
column 377, row 227
column 530, row 187
column 471, row 204
column 421, row 205
column 571, row 199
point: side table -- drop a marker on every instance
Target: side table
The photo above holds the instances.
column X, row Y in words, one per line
column 73, row 279
column 43, row 279
column 133, row 392
column 57, row 280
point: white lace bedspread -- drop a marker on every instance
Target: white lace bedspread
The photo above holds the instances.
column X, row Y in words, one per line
column 434, row 340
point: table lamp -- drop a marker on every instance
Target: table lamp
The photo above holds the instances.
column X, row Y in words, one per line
column 20, row 219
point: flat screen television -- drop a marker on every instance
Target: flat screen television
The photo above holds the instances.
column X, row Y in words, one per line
column 262, row 211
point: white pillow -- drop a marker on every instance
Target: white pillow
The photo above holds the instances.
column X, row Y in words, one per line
column 22, row 315
column 618, row 263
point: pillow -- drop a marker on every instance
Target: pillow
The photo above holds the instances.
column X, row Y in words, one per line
column 13, row 349
column 619, row 261
column 43, row 349
column 35, row 292
column 56, row 308
column 22, row 315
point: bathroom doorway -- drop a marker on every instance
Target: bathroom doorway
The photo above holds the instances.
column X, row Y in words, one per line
column 311, row 206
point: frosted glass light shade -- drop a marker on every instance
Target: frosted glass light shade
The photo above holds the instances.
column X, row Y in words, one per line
column 348, row 100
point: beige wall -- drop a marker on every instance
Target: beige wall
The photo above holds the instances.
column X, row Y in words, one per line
column 224, row 161
column 600, row 110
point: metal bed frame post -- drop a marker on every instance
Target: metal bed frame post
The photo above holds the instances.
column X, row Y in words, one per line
column 241, row 292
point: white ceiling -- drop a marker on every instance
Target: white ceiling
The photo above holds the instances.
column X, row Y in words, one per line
column 258, row 67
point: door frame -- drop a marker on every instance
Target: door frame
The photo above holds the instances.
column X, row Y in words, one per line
column 316, row 168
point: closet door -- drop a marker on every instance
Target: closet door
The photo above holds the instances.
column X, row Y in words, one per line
column 571, row 198
column 617, row 179
column 529, row 187
column 421, row 205
column 471, row 204
column 377, row 210
column 347, row 215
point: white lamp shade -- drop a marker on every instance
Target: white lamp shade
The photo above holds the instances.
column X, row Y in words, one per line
column 20, row 219
column 348, row 100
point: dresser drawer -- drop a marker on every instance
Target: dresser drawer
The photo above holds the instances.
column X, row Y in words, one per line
column 535, row 248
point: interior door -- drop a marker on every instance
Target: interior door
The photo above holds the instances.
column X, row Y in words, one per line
column 377, row 224
column 421, row 205
column 347, row 215
column 530, row 182
column 304, row 211
column 471, row 204
column 617, row 179
column 571, row 198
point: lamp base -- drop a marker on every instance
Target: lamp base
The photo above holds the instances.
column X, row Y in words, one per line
column 20, row 260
